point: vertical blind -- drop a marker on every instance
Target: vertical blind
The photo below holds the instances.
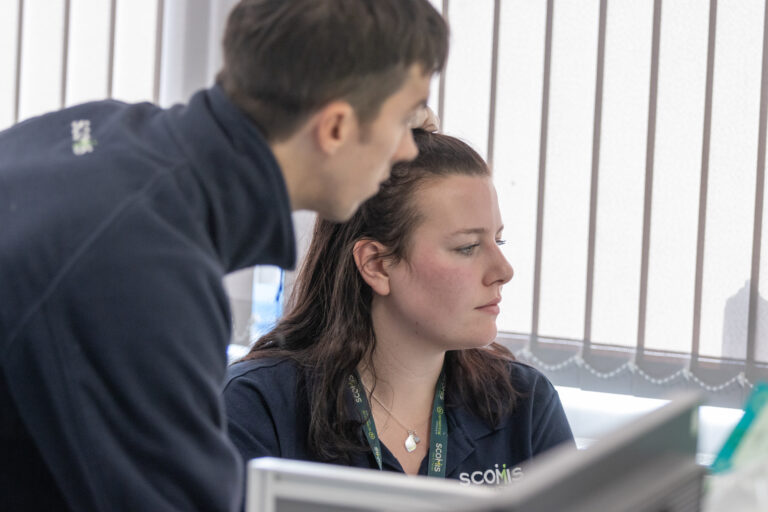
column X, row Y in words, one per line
column 56, row 53
column 627, row 140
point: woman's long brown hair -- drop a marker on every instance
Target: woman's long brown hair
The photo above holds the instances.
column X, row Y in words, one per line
column 327, row 328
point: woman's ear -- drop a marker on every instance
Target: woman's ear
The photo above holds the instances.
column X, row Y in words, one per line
column 371, row 263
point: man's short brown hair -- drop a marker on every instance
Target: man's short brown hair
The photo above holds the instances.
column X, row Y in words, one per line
column 285, row 59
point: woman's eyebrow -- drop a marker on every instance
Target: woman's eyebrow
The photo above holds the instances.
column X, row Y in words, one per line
column 474, row 231
column 469, row 231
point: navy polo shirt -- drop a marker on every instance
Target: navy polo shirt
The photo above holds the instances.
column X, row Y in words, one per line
column 267, row 417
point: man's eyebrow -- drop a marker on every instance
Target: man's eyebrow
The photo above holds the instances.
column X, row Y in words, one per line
column 420, row 104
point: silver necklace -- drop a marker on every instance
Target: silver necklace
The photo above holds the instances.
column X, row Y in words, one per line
column 412, row 440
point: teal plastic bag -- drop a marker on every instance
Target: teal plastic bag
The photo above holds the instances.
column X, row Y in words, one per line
column 748, row 440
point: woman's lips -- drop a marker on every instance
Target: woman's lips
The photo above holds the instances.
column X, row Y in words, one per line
column 491, row 308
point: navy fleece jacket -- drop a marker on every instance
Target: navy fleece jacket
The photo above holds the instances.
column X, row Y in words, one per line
column 117, row 224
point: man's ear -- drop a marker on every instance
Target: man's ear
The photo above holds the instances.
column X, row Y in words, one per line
column 371, row 263
column 335, row 123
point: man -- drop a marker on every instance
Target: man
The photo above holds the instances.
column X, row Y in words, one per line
column 118, row 222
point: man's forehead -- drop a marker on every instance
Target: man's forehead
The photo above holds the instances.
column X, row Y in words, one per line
column 416, row 86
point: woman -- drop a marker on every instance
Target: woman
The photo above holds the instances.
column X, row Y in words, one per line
column 386, row 356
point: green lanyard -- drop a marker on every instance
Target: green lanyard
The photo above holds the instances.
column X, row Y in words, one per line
column 438, row 439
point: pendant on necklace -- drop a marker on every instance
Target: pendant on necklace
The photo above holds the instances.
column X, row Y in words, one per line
column 411, row 441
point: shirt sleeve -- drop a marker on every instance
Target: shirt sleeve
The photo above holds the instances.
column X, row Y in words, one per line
column 251, row 421
column 550, row 425
column 118, row 379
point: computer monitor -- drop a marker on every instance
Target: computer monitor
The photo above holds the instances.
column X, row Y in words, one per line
column 283, row 485
column 647, row 466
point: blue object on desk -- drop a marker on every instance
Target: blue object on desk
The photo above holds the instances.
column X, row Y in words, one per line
column 267, row 300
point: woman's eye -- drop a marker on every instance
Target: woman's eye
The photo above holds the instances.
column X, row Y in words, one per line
column 467, row 250
column 500, row 242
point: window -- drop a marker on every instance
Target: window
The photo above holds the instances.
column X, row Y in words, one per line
column 628, row 150
column 627, row 139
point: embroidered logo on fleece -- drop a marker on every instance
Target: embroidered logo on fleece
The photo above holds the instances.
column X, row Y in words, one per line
column 82, row 142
